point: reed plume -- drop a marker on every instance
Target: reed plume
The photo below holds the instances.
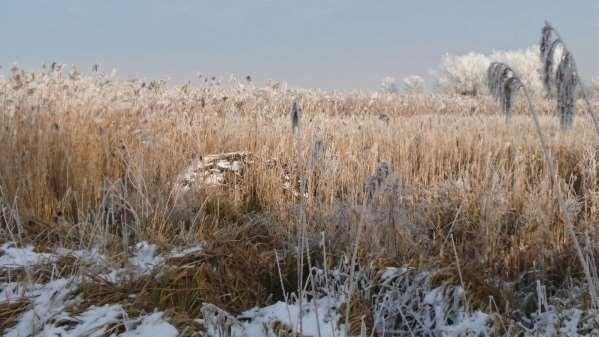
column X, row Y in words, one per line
column 296, row 113
column 502, row 86
column 564, row 80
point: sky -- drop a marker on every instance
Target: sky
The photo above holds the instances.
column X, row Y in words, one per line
column 330, row 44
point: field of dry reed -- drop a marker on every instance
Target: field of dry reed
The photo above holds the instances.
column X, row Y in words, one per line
column 92, row 161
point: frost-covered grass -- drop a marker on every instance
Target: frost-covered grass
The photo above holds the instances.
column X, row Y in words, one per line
column 88, row 178
column 401, row 302
column 52, row 305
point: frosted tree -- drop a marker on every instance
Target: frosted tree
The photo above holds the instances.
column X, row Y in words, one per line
column 467, row 74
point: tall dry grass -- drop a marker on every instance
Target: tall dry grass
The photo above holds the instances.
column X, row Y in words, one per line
column 90, row 159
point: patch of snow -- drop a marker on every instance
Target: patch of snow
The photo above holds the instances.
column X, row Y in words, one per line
column 195, row 249
column 391, row 272
column 48, row 301
column 150, row 325
column 223, row 164
column 321, row 314
column 18, row 257
column 90, row 256
column 145, row 258
column 450, row 316
column 11, row 292
column 49, row 317
column 94, row 322
column 143, row 262
column 214, row 179
column 12, row 256
column 48, row 314
column 475, row 324
column 569, row 326
column 236, row 166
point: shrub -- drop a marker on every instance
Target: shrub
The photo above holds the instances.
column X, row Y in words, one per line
column 467, row 74
column 389, row 85
column 413, row 84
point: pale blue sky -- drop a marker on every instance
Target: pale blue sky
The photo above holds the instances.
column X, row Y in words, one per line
column 341, row 44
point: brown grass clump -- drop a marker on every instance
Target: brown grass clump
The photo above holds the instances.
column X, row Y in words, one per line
column 217, row 275
column 65, row 266
column 236, row 271
column 10, row 312
column 360, row 315
column 134, row 295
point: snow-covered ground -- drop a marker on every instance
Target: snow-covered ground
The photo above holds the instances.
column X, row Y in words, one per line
column 48, row 314
column 404, row 303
